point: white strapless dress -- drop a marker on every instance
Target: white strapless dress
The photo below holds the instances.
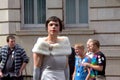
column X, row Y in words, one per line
column 55, row 58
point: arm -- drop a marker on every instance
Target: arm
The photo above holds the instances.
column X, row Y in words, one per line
column 74, row 74
column 0, row 55
column 1, row 74
column 67, row 72
column 22, row 68
column 25, row 60
column 37, row 60
column 96, row 67
column 88, row 76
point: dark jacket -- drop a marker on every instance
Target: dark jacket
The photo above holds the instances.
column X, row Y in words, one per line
column 19, row 57
column 72, row 62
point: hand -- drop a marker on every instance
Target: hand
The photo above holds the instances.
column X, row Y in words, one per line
column 1, row 74
column 20, row 73
column 86, row 64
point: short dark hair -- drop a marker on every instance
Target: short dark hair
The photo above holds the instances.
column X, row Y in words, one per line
column 56, row 19
column 97, row 43
column 10, row 37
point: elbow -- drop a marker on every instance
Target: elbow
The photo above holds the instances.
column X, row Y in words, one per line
column 100, row 68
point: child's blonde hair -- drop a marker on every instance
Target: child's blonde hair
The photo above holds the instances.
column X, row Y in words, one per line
column 89, row 40
column 79, row 45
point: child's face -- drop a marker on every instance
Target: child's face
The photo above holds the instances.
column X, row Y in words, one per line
column 79, row 51
column 92, row 47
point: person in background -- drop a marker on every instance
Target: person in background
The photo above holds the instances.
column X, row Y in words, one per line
column 87, row 44
column 98, row 62
column 50, row 53
column 89, row 53
column 81, row 72
column 13, row 60
column 72, row 62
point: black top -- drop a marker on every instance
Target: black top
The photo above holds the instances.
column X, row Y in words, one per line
column 72, row 62
column 101, row 59
column 9, row 66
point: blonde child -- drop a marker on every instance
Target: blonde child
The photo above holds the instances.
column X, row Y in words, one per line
column 80, row 72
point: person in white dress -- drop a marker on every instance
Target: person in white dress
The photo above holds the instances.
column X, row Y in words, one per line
column 50, row 54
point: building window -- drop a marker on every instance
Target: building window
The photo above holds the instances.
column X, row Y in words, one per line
column 34, row 12
column 76, row 13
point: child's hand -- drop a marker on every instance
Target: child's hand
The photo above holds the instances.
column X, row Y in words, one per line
column 86, row 64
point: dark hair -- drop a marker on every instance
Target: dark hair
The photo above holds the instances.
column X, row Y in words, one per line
column 56, row 19
column 97, row 43
column 10, row 37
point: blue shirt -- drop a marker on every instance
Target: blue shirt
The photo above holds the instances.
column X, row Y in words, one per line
column 81, row 71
